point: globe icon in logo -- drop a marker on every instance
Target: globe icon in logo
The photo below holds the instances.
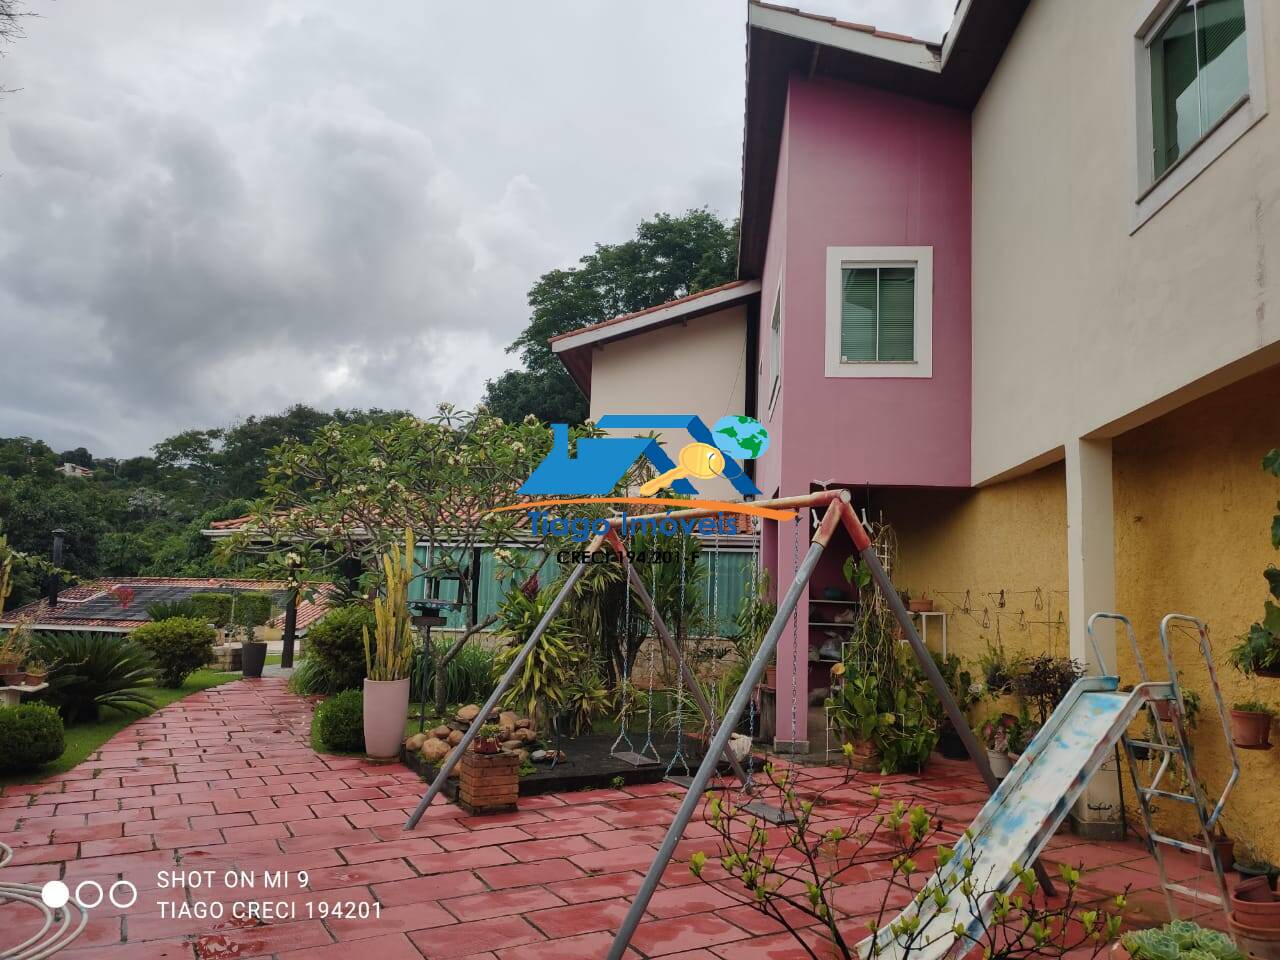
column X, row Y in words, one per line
column 743, row 438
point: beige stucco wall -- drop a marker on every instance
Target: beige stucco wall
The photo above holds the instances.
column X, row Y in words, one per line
column 971, row 550
column 695, row 368
column 1193, row 512
column 1076, row 323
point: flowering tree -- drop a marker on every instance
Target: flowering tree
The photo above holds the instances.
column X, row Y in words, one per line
column 331, row 506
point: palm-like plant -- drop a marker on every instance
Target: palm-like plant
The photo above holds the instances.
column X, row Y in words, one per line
column 89, row 671
column 540, row 688
column 388, row 655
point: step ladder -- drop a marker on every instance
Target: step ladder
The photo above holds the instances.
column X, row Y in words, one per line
column 1171, row 744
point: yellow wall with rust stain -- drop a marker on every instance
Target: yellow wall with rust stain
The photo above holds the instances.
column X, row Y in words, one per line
column 1009, row 537
column 1193, row 512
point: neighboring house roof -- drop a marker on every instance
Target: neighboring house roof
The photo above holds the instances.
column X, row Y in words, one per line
column 783, row 40
column 574, row 348
column 101, row 606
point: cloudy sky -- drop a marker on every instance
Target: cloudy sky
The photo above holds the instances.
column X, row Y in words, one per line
column 209, row 210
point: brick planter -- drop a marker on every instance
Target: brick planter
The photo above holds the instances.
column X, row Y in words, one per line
column 488, row 782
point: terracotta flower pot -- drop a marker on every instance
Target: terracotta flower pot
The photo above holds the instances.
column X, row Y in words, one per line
column 486, row 745
column 1261, row 943
column 1255, row 903
column 14, row 678
column 1226, row 854
column 865, row 756
column 920, row 606
column 1164, row 710
column 1251, row 731
column 8, row 666
column 771, row 677
column 35, row 679
column 386, row 704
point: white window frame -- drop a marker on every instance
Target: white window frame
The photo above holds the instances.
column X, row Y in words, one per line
column 1151, row 192
column 921, row 258
column 775, row 349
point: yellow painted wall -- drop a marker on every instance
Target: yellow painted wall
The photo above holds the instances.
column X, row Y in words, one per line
column 1193, row 514
column 1008, row 537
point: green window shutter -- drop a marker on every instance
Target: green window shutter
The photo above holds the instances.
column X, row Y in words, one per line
column 897, row 313
column 1224, row 62
column 858, row 314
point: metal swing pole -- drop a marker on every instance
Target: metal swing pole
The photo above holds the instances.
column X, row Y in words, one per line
column 867, row 552
column 660, row 627
column 720, row 741
column 515, row 667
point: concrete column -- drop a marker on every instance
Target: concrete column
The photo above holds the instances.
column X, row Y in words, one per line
column 1091, row 586
column 785, row 741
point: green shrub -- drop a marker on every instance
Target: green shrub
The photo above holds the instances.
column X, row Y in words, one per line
column 309, row 679
column 250, row 609
column 88, row 671
column 31, row 734
column 339, row 721
column 336, row 643
column 179, row 647
column 468, row 678
column 168, row 609
column 212, row 608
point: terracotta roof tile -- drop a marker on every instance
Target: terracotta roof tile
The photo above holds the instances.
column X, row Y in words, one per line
column 661, row 306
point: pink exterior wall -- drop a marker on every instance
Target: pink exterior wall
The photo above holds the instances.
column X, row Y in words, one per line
column 862, row 167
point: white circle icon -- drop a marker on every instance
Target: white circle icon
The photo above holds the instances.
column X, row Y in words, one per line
column 55, row 894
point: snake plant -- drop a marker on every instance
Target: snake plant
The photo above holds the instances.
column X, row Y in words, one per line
column 388, row 654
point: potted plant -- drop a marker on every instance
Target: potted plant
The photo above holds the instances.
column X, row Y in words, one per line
column 36, row 672
column 13, row 649
column 995, row 737
column 967, row 692
column 1190, row 702
column 1251, row 725
column 1020, row 737
column 922, row 604
column 247, row 612
column 487, row 741
column 1224, row 848
column 388, row 657
column 856, row 715
column 1258, row 652
column 1176, row 939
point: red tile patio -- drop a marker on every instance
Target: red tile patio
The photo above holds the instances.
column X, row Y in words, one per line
column 225, row 780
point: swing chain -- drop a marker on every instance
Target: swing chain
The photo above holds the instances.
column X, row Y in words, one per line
column 624, row 719
column 795, row 633
column 680, row 629
column 650, row 642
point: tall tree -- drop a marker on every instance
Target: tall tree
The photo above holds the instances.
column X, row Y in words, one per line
column 669, row 257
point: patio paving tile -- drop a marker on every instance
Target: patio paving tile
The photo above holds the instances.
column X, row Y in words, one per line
column 227, row 780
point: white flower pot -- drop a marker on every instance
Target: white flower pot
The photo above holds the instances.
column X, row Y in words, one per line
column 999, row 762
column 386, row 704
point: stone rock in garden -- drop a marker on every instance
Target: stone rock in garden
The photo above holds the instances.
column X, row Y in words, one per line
column 508, row 718
column 539, row 755
column 468, row 713
column 525, row 735
column 524, row 723
column 441, row 732
column 510, row 745
column 739, row 746
column 414, row 743
column 455, row 737
column 523, row 755
column 434, row 751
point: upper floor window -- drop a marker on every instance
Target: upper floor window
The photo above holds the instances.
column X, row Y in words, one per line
column 1200, row 87
column 879, row 312
column 1199, row 72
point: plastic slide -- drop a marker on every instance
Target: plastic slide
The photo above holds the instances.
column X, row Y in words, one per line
column 1020, row 816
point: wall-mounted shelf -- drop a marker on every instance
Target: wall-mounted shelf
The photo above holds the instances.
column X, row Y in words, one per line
column 927, row 615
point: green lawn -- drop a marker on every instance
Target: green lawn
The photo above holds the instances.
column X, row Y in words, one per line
column 84, row 738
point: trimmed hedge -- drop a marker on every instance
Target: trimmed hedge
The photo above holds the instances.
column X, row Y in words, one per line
column 31, row 734
column 179, row 646
column 336, row 641
column 339, row 721
column 212, row 608
column 251, row 609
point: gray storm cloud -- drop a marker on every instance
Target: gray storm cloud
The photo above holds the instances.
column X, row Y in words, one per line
column 208, row 211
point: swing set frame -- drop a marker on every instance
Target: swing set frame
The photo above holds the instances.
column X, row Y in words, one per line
column 836, row 512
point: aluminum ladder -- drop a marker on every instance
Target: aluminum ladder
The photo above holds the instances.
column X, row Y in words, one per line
column 1191, row 791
